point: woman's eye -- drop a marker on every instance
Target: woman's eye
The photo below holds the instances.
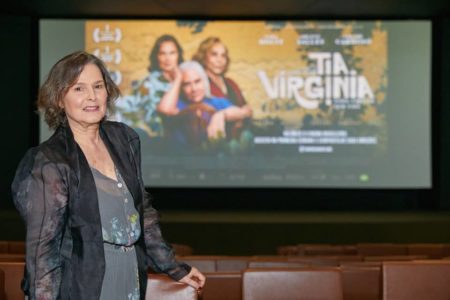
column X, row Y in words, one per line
column 99, row 86
column 78, row 89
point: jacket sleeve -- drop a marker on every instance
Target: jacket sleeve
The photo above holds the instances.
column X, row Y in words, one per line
column 160, row 255
column 40, row 194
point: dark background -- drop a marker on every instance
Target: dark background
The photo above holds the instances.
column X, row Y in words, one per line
column 243, row 221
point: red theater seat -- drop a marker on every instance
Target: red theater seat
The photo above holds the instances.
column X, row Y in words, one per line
column 430, row 250
column 381, row 249
column 16, row 247
column 361, row 282
column 13, row 278
column 223, row 286
column 423, row 280
column 161, row 287
column 231, row 263
column 290, row 284
column 2, row 285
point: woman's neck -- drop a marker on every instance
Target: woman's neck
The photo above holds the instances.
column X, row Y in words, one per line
column 89, row 135
column 218, row 80
column 168, row 75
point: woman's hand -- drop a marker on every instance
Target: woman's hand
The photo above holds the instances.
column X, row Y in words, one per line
column 195, row 279
column 216, row 126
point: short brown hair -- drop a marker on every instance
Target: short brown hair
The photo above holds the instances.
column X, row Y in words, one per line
column 203, row 49
column 61, row 77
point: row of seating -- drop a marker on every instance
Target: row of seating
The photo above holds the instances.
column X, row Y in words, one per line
column 427, row 279
column 421, row 280
column 217, row 263
column 432, row 250
column 12, row 247
column 360, row 280
column 159, row 287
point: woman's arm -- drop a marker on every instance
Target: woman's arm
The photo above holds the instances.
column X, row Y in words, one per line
column 216, row 126
column 169, row 101
column 160, row 254
column 40, row 194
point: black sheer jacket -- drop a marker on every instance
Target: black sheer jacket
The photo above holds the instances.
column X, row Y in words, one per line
column 55, row 193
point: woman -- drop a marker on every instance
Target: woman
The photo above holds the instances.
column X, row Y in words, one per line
column 162, row 81
column 91, row 229
column 213, row 55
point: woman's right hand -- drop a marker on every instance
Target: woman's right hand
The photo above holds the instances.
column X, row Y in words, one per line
column 216, row 126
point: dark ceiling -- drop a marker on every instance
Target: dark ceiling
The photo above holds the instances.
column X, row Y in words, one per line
column 230, row 8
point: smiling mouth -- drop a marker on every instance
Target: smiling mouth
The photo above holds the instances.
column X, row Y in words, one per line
column 91, row 108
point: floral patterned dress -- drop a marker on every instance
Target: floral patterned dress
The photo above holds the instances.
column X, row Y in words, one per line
column 120, row 229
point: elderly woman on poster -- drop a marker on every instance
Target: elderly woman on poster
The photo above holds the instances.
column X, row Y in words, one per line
column 200, row 115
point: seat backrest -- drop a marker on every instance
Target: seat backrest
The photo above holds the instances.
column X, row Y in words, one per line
column 13, row 277
column 287, row 284
column 379, row 249
column 2, row 285
column 416, row 280
column 3, row 246
column 202, row 263
column 12, row 257
column 162, row 287
column 16, row 247
column 182, row 249
column 325, row 250
column 231, row 263
column 361, row 283
column 288, row 250
column 223, row 286
column 276, row 264
column 383, row 258
column 431, row 250
column 330, row 261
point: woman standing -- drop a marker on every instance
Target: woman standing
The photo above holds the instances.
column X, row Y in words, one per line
column 91, row 229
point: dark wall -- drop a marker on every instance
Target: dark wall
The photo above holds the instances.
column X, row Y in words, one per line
column 443, row 132
column 16, row 87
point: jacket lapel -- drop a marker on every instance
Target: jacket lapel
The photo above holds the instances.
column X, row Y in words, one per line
column 118, row 146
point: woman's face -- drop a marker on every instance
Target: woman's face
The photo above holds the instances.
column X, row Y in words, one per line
column 85, row 101
column 168, row 56
column 216, row 59
column 193, row 86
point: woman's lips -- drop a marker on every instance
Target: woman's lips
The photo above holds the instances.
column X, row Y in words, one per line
column 91, row 108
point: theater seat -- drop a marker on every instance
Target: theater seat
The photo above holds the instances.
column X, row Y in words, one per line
column 161, row 287
column 423, row 280
column 13, row 277
column 430, row 250
column 202, row 263
column 290, row 284
column 380, row 249
column 182, row 249
column 2, row 285
column 16, row 247
column 361, row 282
column 223, row 286
column 231, row 263
column 276, row 264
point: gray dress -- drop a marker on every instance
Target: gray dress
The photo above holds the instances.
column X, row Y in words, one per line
column 120, row 229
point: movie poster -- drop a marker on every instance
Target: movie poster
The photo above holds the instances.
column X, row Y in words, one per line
column 302, row 90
